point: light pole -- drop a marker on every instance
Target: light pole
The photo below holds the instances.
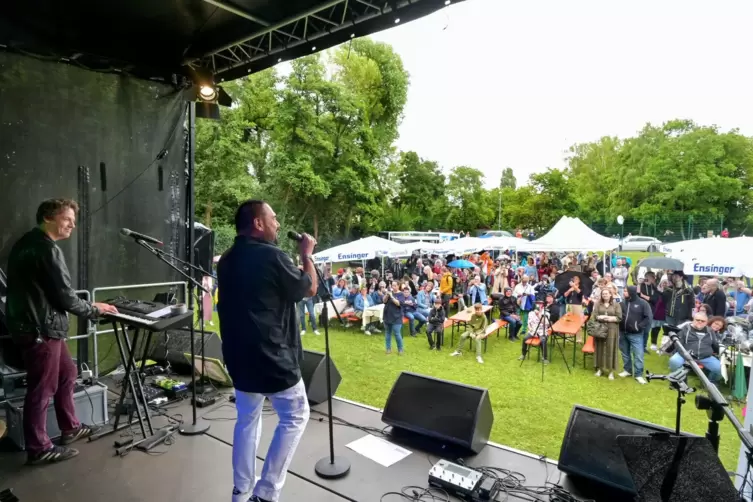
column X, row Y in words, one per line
column 621, row 223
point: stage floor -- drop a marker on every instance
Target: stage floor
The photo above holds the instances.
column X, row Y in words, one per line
column 198, row 468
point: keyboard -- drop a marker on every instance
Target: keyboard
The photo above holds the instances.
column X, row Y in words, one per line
column 127, row 318
column 140, row 321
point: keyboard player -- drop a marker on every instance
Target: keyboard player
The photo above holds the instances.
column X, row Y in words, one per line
column 39, row 299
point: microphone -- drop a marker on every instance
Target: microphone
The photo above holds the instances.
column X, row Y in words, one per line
column 140, row 237
column 293, row 235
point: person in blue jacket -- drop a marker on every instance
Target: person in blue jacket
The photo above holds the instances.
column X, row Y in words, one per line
column 425, row 299
column 360, row 303
column 477, row 292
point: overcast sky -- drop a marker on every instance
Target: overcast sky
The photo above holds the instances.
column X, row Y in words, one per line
column 498, row 83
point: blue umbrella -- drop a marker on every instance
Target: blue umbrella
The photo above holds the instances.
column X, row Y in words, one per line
column 460, row 264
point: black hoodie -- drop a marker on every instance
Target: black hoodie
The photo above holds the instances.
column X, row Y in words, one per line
column 636, row 313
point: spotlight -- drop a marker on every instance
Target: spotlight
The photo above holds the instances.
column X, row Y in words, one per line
column 397, row 20
column 279, row 60
column 207, row 93
column 313, row 48
column 447, row 2
column 352, row 35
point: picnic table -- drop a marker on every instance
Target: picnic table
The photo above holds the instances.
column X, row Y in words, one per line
column 566, row 329
column 463, row 317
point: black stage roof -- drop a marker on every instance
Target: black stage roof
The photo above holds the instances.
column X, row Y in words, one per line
column 161, row 38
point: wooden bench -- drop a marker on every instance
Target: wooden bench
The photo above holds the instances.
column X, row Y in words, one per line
column 490, row 329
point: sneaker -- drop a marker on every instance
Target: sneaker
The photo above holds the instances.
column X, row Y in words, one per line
column 479, row 360
column 316, row 332
column 54, row 454
column 303, row 332
column 375, row 330
column 456, row 353
column 388, row 352
column 521, row 358
column 367, row 332
column 611, row 376
column 545, row 361
column 653, row 347
column 624, row 374
column 641, row 380
column 84, row 431
column 598, row 373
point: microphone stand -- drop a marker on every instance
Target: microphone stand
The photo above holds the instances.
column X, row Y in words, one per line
column 198, row 425
column 330, row 467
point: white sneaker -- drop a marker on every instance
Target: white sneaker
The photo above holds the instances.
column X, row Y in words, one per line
column 598, row 373
column 653, row 346
column 367, row 332
column 316, row 332
column 641, row 380
column 611, row 376
column 303, row 332
column 479, row 360
column 375, row 330
column 624, row 374
column 456, row 353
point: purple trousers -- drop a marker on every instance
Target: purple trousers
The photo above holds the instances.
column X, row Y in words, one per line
column 50, row 373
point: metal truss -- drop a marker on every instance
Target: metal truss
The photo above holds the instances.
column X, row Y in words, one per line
column 306, row 27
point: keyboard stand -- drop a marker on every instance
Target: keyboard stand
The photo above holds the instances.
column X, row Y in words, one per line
column 132, row 383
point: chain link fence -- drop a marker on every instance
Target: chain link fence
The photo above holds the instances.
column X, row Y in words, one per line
column 667, row 230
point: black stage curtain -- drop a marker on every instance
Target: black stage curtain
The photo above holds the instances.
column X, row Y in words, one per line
column 55, row 118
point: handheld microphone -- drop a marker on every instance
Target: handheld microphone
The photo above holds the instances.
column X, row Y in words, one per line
column 293, row 235
column 140, row 237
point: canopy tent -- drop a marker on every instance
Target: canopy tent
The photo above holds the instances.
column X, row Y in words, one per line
column 571, row 234
column 362, row 249
column 408, row 248
column 463, row 246
column 503, row 243
column 714, row 256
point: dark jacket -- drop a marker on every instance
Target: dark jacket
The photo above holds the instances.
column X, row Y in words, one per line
column 702, row 343
column 437, row 316
column 679, row 302
column 260, row 339
column 717, row 301
column 652, row 292
column 393, row 314
column 507, row 306
column 40, row 294
column 636, row 313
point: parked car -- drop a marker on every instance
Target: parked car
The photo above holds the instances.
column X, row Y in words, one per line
column 640, row 243
column 496, row 233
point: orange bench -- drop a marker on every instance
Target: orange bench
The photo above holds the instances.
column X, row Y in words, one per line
column 533, row 342
column 588, row 348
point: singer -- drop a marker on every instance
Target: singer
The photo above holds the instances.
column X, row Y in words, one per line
column 40, row 297
column 260, row 286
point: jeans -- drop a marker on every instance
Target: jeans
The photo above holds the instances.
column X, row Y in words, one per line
column 424, row 312
column 645, row 338
column 710, row 364
column 632, row 343
column 303, row 305
column 292, row 408
column 439, row 330
column 513, row 325
column 393, row 329
column 417, row 316
column 50, row 372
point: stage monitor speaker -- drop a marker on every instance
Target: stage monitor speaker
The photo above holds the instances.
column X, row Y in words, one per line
column 590, row 450
column 314, row 374
column 451, row 412
column 203, row 248
column 170, row 345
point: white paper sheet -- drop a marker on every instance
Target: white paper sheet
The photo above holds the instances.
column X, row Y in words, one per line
column 379, row 450
column 159, row 314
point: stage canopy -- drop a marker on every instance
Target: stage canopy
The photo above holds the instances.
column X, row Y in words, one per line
column 715, row 256
column 162, row 40
column 571, row 234
column 362, row 249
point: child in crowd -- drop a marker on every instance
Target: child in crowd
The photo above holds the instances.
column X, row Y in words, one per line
column 436, row 325
column 476, row 331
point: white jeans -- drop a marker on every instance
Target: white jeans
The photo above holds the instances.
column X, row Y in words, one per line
column 292, row 409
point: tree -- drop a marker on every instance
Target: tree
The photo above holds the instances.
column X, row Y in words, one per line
column 507, row 180
column 468, row 208
column 421, row 190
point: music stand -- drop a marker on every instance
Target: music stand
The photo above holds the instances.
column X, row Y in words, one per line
column 670, row 468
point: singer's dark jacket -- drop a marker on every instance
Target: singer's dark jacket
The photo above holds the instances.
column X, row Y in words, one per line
column 40, row 294
column 258, row 288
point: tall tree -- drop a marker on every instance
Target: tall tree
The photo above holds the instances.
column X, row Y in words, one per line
column 507, row 180
column 468, row 201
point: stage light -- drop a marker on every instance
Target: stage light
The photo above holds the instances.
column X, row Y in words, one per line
column 447, row 2
column 352, row 35
column 207, row 93
column 313, row 48
column 279, row 60
column 397, row 20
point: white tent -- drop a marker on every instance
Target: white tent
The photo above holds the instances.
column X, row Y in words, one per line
column 463, row 246
column 407, row 248
column 571, row 234
column 362, row 249
column 714, row 256
column 504, row 243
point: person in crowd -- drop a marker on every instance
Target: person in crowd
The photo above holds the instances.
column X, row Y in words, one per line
column 715, row 298
column 636, row 318
column 697, row 338
column 446, row 287
column 358, row 278
column 378, row 294
column 649, row 292
column 739, row 296
column 476, row 331
column 543, row 288
column 459, row 284
column 500, row 279
column 477, row 291
column 360, row 305
column 543, row 267
column 307, row 303
column 435, row 328
column 620, row 274
column 340, row 290
column 393, row 319
column 678, row 300
column 424, row 299
column 427, row 275
column 574, row 297
column 718, row 326
column 611, row 285
column 530, row 269
column 538, row 327
column 525, row 295
column 350, row 298
column 659, row 316
column 408, row 304
column 508, row 309
column 606, row 316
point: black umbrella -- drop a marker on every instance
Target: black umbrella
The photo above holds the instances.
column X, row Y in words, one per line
column 661, row 262
column 562, row 282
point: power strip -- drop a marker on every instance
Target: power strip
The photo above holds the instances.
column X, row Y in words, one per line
column 203, row 402
column 463, row 482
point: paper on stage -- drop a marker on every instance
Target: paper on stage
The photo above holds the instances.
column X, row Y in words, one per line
column 379, row 450
column 158, row 314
